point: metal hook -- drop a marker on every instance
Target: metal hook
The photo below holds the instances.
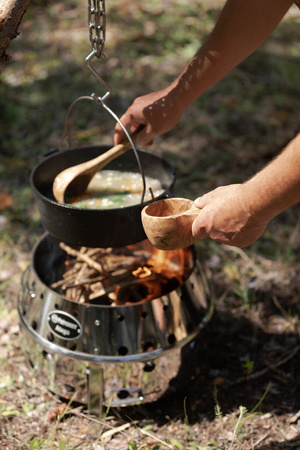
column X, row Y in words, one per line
column 96, row 75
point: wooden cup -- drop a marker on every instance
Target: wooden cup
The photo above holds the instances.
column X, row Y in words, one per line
column 168, row 223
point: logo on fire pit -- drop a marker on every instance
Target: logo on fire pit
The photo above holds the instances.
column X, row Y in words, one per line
column 63, row 325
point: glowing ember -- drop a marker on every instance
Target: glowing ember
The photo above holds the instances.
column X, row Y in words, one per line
column 142, row 272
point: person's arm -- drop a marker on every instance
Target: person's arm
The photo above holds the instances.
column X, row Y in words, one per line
column 242, row 27
column 239, row 213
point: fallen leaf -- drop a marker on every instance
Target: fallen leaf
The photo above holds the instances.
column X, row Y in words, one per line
column 295, row 417
column 52, row 415
column 4, row 275
column 5, row 201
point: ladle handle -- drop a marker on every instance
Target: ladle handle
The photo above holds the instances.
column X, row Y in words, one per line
column 115, row 151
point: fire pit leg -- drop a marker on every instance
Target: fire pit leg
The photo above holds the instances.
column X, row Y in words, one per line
column 51, row 368
column 95, row 390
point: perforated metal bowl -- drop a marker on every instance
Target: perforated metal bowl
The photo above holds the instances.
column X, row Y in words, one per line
column 121, row 354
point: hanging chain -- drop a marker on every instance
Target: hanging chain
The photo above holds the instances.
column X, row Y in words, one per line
column 97, row 25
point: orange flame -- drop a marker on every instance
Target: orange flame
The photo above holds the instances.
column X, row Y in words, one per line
column 142, row 272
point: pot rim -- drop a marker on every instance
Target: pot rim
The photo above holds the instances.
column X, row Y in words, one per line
column 72, row 208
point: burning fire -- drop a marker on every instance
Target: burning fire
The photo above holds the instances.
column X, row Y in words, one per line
column 142, row 272
column 127, row 275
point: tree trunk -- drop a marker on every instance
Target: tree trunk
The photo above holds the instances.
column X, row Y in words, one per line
column 11, row 13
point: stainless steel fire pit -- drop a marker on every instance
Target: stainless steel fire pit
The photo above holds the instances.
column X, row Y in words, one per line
column 108, row 354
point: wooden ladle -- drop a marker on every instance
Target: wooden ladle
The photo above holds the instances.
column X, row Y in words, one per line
column 168, row 223
column 74, row 180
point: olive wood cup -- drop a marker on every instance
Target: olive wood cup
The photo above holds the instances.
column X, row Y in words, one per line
column 168, row 223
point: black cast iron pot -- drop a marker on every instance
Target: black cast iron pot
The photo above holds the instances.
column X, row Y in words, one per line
column 95, row 227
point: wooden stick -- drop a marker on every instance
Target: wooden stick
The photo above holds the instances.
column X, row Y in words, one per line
column 82, row 257
column 95, row 272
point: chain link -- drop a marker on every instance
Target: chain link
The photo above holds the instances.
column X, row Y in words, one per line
column 97, row 25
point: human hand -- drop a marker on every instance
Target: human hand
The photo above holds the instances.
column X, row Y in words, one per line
column 227, row 216
column 158, row 111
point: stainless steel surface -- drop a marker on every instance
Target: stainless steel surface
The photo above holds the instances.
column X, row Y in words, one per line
column 138, row 331
column 101, row 385
column 108, row 355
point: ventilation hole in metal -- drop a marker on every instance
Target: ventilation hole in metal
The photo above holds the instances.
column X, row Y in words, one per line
column 50, row 337
column 56, row 306
column 121, row 318
column 171, row 339
column 34, row 324
column 123, row 394
column 149, row 366
column 123, row 351
column 144, row 314
column 24, row 312
column 41, row 295
column 165, row 307
column 71, row 346
column 148, row 346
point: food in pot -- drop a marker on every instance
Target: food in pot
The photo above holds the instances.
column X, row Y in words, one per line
column 116, row 189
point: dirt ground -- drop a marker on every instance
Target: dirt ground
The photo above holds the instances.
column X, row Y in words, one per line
column 247, row 357
column 244, row 355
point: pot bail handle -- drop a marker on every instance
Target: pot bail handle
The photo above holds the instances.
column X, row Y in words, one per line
column 101, row 100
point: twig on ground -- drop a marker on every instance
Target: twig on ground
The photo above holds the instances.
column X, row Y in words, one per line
column 256, row 375
column 155, row 438
column 259, row 441
column 115, row 430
